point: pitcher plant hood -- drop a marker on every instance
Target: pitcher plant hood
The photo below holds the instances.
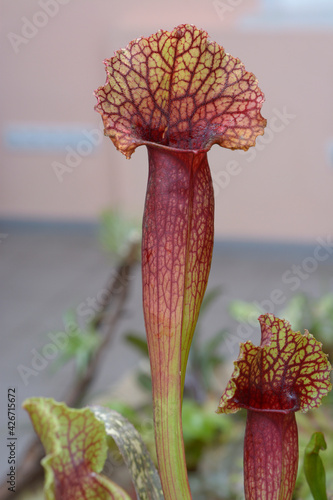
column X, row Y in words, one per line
column 179, row 89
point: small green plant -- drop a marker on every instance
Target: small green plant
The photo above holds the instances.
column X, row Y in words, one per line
column 81, row 343
column 302, row 311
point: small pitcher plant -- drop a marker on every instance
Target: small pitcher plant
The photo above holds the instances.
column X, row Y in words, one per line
column 288, row 372
column 178, row 94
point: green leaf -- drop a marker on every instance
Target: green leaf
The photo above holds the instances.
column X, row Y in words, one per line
column 80, row 344
column 134, row 452
column 244, row 312
column 145, row 381
column 116, row 232
column 211, row 345
column 76, row 448
column 138, row 342
column 200, row 423
column 209, row 298
column 314, row 468
column 298, row 312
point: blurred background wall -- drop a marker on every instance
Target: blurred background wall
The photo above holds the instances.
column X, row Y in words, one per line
column 56, row 165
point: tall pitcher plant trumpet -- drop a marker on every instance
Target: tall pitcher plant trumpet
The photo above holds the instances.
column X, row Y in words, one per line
column 177, row 93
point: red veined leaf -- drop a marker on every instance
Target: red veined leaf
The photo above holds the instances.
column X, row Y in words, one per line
column 287, row 372
column 182, row 90
column 76, row 450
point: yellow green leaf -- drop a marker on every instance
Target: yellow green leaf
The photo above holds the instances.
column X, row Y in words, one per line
column 287, row 372
column 182, row 90
column 76, row 450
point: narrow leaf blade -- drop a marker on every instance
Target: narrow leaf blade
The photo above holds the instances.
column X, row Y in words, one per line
column 134, row 452
column 138, row 342
column 314, row 468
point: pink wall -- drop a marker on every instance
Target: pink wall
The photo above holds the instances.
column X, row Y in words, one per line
column 280, row 190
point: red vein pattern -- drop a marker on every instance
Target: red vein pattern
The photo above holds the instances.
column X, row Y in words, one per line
column 179, row 89
column 177, row 246
column 270, row 456
column 286, row 373
column 178, row 93
column 75, row 444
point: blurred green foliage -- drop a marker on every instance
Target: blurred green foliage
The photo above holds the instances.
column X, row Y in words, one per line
column 79, row 343
column 117, row 231
column 202, row 428
column 205, row 355
column 302, row 311
column 82, row 338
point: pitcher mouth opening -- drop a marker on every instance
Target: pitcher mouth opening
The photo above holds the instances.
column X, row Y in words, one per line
column 173, row 149
column 265, row 410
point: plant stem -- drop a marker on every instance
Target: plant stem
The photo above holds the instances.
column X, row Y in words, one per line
column 177, row 247
column 270, row 455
